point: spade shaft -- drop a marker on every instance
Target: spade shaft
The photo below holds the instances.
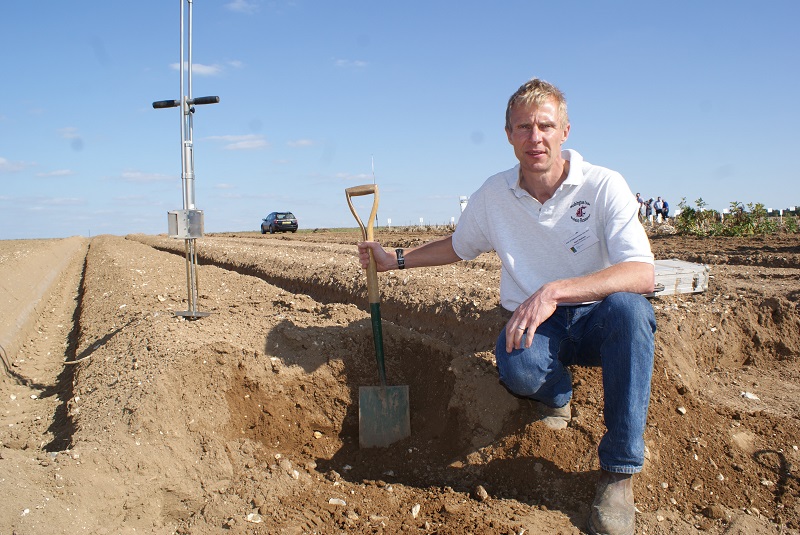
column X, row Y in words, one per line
column 383, row 411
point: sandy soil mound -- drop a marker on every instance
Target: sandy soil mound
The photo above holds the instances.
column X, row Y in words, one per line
column 120, row 417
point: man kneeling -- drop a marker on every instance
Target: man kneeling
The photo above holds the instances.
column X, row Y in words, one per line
column 575, row 261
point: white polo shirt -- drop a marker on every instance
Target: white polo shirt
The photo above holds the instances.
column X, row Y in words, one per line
column 589, row 224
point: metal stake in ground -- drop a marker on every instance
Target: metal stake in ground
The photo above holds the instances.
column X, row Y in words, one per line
column 187, row 223
column 383, row 411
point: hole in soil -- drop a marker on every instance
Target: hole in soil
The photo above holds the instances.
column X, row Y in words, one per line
column 309, row 379
column 322, row 397
column 465, row 429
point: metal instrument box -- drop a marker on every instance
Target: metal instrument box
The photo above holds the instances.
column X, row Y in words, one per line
column 185, row 224
column 680, row 277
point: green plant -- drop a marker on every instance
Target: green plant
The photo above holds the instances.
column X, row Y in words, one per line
column 740, row 220
column 790, row 224
column 698, row 222
column 747, row 222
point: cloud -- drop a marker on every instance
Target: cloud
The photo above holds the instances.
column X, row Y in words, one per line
column 62, row 201
column 130, row 198
column 224, row 186
column 138, row 176
column 122, row 202
column 7, row 166
column 299, row 143
column 69, row 132
column 350, row 63
column 200, row 69
column 242, row 6
column 244, row 142
column 56, row 173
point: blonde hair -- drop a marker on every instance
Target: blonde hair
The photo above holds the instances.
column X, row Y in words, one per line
column 536, row 91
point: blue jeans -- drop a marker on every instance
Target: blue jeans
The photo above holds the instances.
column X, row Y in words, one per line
column 618, row 334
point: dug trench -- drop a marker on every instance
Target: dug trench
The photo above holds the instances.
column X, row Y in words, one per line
column 476, row 424
column 246, row 421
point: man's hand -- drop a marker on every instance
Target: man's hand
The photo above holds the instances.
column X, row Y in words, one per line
column 527, row 318
column 435, row 253
column 634, row 277
column 384, row 260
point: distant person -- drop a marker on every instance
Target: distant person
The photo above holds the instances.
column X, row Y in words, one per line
column 648, row 207
column 641, row 206
column 665, row 209
column 575, row 261
column 658, row 207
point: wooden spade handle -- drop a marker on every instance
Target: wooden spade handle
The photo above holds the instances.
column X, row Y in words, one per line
column 367, row 234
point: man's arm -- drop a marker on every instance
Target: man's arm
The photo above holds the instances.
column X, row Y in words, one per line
column 435, row 253
column 634, row 277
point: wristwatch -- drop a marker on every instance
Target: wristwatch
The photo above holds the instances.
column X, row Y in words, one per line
column 401, row 261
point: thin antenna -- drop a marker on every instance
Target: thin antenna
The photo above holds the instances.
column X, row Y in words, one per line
column 377, row 219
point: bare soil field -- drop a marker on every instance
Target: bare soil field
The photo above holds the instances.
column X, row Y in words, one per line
column 119, row 417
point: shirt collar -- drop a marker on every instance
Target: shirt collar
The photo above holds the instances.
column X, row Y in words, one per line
column 574, row 177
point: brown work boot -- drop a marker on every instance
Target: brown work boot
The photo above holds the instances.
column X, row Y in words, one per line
column 613, row 511
column 554, row 417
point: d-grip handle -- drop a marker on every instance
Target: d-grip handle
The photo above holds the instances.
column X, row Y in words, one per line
column 366, row 189
column 367, row 234
column 355, row 191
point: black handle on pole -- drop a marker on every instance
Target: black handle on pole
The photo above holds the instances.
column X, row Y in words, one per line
column 166, row 104
column 203, row 100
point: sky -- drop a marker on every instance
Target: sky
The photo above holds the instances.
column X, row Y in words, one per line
column 687, row 99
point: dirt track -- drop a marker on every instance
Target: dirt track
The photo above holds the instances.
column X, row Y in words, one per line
column 246, row 421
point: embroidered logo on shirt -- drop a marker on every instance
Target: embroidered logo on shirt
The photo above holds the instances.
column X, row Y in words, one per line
column 581, row 211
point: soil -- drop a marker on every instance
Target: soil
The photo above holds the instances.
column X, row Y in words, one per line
column 121, row 417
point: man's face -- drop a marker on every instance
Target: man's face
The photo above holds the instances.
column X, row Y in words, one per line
column 537, row 135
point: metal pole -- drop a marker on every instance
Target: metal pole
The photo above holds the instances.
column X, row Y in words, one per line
column 189, row 299
column 188, row 181
column 188, row 223
column 183, row 111
column 188, row 111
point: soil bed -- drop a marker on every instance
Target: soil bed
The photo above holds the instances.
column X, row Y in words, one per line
column 120, row 417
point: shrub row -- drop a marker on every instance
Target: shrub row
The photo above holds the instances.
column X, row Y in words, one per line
column 741, row 220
